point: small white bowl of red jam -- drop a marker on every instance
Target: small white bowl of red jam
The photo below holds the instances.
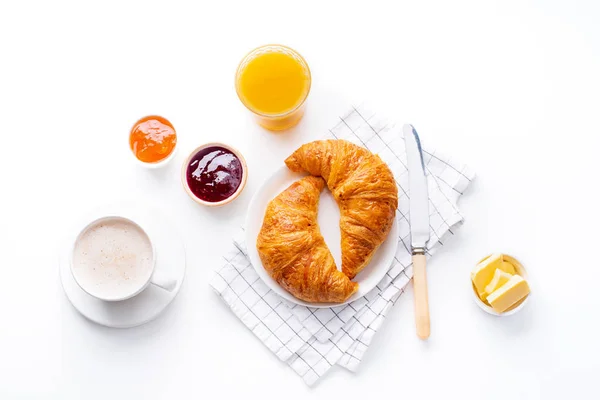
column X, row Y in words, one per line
column 153, row 140
column 214, row 174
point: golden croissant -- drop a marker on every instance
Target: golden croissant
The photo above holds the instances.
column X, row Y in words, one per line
column 293, row 251
column 365, row 191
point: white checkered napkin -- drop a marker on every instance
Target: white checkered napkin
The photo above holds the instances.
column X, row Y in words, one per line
column 360, row 127
column 312, row 340
column 324, row 323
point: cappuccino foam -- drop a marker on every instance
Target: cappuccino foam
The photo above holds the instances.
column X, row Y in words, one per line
column 112, row 258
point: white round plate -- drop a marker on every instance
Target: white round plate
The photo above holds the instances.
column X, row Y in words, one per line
column 329, row 223
column 144, row 307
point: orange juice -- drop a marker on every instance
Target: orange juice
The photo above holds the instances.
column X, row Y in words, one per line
column 273, row 82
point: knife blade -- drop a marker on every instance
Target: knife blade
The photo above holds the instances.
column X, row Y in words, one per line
column 419, row 226
column 417, row 184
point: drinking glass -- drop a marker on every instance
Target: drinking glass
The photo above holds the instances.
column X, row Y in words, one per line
column 284, row 120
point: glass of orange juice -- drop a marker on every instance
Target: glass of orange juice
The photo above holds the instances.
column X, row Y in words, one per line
column 273, row 81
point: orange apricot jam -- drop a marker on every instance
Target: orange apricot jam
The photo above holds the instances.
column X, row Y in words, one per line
column 152, row 139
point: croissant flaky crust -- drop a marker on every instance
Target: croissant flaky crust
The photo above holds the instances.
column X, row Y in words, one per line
column 293, row 251
column 365, row 191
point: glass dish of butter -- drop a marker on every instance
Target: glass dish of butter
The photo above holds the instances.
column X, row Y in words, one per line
column 500, row 285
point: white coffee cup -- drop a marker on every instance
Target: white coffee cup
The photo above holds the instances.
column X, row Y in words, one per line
column 113, row 259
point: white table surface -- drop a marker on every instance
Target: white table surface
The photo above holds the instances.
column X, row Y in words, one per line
column 511, row 88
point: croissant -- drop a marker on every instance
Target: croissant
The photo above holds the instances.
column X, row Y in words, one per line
column 293, row 251
column 365, row 191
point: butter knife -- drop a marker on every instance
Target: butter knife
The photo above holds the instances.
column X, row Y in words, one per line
column 419, row 226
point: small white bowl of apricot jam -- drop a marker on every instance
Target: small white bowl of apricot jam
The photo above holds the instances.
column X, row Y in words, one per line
column 153, row 140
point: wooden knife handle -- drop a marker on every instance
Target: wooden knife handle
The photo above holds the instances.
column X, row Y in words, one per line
column 421, row 298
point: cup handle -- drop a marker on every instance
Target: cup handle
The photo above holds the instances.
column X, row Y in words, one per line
column 163, row 281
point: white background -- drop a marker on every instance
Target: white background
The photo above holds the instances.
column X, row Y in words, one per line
column 510, row 87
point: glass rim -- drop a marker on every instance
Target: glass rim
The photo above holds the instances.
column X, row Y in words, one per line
column 267, row 115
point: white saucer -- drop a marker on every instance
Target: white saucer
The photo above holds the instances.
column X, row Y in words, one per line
column 170, row 260
column 329, row 223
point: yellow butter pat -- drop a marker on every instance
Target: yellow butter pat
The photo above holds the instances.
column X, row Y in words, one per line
column 484, row 272
column 499, row 279
column 508, row 294
column 508, row 267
